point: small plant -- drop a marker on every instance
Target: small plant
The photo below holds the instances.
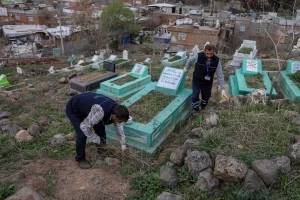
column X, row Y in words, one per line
column 119, row 61
column 123, row 80
column 255, row 81
column 86, row 63
column 296, row 78
column 174, row 58
column 245, row 50
column 6, row 190
column 149, row 105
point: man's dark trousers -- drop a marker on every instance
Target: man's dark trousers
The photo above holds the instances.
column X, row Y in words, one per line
column 205, row 91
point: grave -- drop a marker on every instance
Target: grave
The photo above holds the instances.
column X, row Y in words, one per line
column 90, row 82
column 116, row 90
column 250, row 67
column 239, row 55
column 289, row 89
column 149, row 135
column 99, row 65
column 179, row 59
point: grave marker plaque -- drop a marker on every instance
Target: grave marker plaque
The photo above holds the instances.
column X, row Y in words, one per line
column 252, row 66
column 295, row 67
column 170, row 78
column 109, row 66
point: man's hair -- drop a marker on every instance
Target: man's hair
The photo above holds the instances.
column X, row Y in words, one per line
column 209, row 47
column 121, row 112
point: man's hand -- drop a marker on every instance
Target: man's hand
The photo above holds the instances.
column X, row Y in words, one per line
column 95, row 139
column 123, row 147
column 223, row 94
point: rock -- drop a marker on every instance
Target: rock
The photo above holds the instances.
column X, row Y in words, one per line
column 190, row 144
column 283, row 162
column 34, row 130
column 177, row 156
column 96, row 180
column 112, row 161
column 44, row 121
column 290, row 114
column 11, row 128
column 207, row 182
column 252, row 181
column 58, row 139
column 235, row 101
column 197, row 162
column 267, row 170
column 168, row 176
column 296, row 120
column 295, row 139
column 63, row 80
column 211, row 119
column 169, row 196
column 25, row 193
column 294, row 152
column 4, row 114
column 13, row 178
column 4, row 121
column 23, row 135
column 70, row 136
column 229, row 169
column 195, row 133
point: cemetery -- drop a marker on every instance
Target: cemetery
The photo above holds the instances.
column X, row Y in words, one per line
column 241, row 84
column 291, row 89
column 172, row 101
column 126, row 84
column 246, row 50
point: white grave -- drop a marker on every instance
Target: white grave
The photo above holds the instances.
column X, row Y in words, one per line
column 252, row 66
column 170, row 78
column 148, row 60
column 102, row 52
column 96, row 58
column 112, row 58
column 19, row 70
column 125, row 54
column 181, row 54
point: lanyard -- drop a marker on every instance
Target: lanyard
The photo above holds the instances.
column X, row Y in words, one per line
column 207, row 67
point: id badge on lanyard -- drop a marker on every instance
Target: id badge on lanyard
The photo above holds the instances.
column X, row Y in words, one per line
column 207, row 77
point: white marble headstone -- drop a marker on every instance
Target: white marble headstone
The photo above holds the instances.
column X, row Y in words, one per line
column 125, row 54
column 51, row 70
column 19, row 70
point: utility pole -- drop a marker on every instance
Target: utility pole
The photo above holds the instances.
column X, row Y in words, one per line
column 61, row 39
column 211, row 7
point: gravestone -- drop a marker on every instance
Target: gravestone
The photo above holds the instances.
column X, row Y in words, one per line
column 96, row 58
column 171, row 81
column 125, row 54
column 102, row 52
column 51, row 70
column 19, row 70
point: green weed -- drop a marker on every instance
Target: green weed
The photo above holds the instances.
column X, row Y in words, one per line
column 6, row 189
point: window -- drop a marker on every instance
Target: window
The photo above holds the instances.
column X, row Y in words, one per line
column 30, row 19
column 257, row 29
column 181, row 36
column 17, row 17
column 242, row 28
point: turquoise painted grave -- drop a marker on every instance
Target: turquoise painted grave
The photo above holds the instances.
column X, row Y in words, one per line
column 237, row 82
column 169, row 61
column 290, row 89
column 139, row 72
column 3, row 80
column 148, row 136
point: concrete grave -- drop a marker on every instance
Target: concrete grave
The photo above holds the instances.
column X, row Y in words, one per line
column 237, row 82
column 90, row 82
column 148, row 136
column 290, row 89
column 112, row 89
column 179, row 59
column 238, row 57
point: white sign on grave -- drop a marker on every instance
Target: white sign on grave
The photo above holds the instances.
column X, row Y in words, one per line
column 51, row 70
column 1, row 77
column 19, row 70
column 170, row 78
column 125, row 54
column 252, row 66
column 138, row 69
column 295, row 67
column 147, row 60
column 112, row 57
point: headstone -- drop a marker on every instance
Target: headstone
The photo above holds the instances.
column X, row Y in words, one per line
column 147, row 60
column 295, row 67
column 125, row 54
column 138, row 69
column 96, row 58
column 102, row 52
column 51, row 70
column 109, row 66
column 19, row 70
column 170, row 78
column 181, row 54
column 252, row 66
column 112, row 58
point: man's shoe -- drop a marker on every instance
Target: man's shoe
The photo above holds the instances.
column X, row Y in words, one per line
column 84, row 164
column 196, row 110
